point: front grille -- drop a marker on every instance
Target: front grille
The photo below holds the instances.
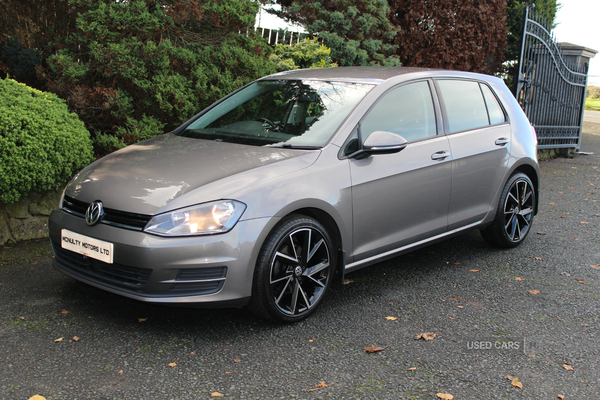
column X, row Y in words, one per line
column 114, row 274
column 118, row 218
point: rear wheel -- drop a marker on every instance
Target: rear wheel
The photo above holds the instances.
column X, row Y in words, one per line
column 514, row 215
column 294, row 270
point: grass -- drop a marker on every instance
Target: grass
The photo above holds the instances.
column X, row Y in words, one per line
column 592, row 104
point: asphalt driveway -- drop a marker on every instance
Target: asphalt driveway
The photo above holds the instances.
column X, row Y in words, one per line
column 530, row 313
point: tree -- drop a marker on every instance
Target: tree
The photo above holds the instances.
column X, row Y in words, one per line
column 468, row 36
column 134, row 69
column 358, row 32
column 26, row 28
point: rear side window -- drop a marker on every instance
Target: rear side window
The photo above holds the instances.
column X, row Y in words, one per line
column 466, row 107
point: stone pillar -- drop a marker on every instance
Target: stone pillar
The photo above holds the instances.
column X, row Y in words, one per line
column 579, row 55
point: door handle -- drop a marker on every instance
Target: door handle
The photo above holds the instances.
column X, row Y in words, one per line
column 501, row 141
column 440, row 155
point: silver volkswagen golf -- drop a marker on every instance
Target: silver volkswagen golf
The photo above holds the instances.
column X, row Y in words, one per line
column 271, row 194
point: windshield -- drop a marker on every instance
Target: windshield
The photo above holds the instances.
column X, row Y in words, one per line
column 285, row 113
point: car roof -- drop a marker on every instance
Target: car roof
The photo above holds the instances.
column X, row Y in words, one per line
column 372, row 75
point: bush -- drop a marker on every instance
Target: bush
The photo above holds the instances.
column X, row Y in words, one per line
column 42, row 145
column 307, row 53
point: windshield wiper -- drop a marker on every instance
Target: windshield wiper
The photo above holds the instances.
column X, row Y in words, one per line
column 294, row 146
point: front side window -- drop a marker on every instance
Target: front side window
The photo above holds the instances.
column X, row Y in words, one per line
column 407, row 111
column 280, row 113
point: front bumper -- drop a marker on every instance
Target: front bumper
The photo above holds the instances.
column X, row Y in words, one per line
column 213, row 271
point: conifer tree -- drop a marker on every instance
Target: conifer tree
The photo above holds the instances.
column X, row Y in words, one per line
column 358, row 32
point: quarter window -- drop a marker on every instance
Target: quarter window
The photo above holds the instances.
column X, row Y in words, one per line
column 494, row 109
column 407, row 111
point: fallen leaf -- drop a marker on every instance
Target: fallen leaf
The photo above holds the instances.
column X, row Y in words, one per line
column 565, row 274
column 595, row 266
column 518, row 278
column 456, row 263
column 510, row 378
column 515, row 382
column 37, row 397
column 75, row 339
column 318, row 386
column 452, row 318
column 455, row 298
column 534, row 291
column 473, row 270
column 580, row 280
column 445, row 396
column 216, row 394
column 236, row 360
column 21, row 317
column 426, row 336
column 538, row 258
column 560, row 396
column 584, row 222
column 64, row 312
column 375, row 349
column 460, row 306
column 541, row 233
column 348, row 281
column 58, row 340
column 121, row 371
column 172, row 364
column 142, row 319
column 568, row 367
column 391, row 318
column 412, row 369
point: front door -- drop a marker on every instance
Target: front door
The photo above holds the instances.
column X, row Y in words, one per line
column 401, row 198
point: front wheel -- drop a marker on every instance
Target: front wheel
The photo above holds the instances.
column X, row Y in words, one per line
column 294, row 270
column 514, row 215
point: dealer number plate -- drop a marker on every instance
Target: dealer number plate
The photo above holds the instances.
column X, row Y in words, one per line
column 90, row 247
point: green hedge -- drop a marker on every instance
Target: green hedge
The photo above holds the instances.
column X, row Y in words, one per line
column 42, row 144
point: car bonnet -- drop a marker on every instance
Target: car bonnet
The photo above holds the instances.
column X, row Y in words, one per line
column 143, row 178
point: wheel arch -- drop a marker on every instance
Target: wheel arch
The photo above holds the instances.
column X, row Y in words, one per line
column 533, row 175
column 333, row 229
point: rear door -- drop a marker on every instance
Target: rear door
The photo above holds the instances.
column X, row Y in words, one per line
column 479, row 137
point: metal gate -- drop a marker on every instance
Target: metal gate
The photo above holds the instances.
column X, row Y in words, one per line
column 550, row 89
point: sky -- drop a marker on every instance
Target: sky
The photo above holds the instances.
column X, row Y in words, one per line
column 577, row 23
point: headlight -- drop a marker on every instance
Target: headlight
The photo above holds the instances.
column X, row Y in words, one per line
column 202, row 219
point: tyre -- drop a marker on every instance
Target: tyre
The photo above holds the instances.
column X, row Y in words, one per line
column 514, row 215
column 294, row 270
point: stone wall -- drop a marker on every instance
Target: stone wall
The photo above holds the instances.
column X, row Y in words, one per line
column 27, row 218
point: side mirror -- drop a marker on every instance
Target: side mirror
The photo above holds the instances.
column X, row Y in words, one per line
column 381, row 142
